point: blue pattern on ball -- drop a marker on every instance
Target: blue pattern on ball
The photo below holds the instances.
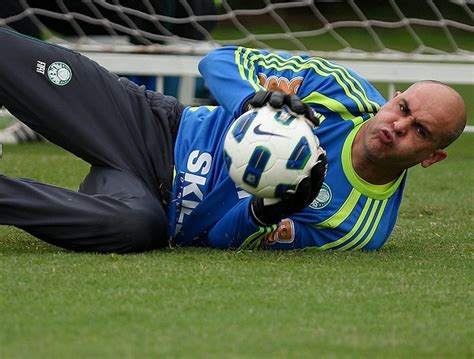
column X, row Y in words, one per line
column 256, row 166
column 300, row 155
column 242, row 125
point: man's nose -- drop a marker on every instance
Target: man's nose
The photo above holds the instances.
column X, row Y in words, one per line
column 401, row 125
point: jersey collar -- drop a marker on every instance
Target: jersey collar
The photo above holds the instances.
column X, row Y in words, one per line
column 370, row 190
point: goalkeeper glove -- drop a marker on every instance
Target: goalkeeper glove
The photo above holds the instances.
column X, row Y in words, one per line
column 268, row 211
column 278, row 99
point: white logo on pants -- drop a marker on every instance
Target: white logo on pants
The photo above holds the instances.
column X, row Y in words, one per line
column 59, row 73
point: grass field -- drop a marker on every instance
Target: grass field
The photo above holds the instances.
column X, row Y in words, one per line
column 412, row 299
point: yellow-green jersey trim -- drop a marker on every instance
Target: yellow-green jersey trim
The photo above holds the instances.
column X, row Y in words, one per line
column 370, row 190
column 364, row 230
column 372, row 208
column 354, row 229
column 346, row 74
column 254, row 240
column 359, row 119
column 324, row 68
column 272, row 61
column 195, row 108
column 331, row 104
column 344, row 211
column 242, row 61
column 374, row 227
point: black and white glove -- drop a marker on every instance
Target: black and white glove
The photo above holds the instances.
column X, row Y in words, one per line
column 268, row 211
column 278, row 99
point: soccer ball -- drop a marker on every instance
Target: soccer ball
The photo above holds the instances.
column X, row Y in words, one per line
column 268, row 151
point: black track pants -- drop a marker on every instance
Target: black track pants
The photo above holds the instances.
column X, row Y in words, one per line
column 127, row 134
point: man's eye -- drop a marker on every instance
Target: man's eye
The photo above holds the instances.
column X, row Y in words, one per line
column 421, row 131
column 403, row 108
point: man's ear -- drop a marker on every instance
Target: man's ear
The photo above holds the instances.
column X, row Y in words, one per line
column 436, row 156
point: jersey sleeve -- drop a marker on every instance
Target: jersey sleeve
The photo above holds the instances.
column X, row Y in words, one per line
column 234, row 227
column 228, row 79
column 234, row 74
column 237, row 230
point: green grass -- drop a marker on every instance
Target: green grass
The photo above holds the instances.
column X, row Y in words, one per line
column 413, row 298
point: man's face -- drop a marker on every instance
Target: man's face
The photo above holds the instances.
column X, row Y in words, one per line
column 411, row 127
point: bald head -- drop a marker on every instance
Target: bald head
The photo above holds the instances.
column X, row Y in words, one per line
column 452, row 104
column 412, row 128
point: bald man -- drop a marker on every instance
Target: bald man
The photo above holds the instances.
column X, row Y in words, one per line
column 157, row 172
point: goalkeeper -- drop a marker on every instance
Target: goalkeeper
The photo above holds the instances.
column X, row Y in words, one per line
column 135, row 140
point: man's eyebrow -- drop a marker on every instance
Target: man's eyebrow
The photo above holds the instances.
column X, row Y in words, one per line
column 406, row 104
column 417, row 120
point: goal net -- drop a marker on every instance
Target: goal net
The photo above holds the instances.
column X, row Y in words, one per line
column 386, row 41
column 387, row 29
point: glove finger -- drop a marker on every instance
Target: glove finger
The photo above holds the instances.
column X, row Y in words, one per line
column 299, row 107
column 295, row 104
column 277, row 99
column 287, row 196
column 319, row 169
column 260, row 99
column 318, row 174
column 302, row 195
column 311, row 116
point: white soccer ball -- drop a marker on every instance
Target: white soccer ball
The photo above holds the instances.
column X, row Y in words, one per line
column 269, row 151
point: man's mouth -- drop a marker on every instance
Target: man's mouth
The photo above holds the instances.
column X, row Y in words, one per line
column 386, row 136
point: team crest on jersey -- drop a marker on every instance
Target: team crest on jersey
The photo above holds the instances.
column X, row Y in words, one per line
column 323, row 198
column 282, row 84
column 59, row 73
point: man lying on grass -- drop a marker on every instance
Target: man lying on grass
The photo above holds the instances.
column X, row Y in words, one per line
column 157, row 171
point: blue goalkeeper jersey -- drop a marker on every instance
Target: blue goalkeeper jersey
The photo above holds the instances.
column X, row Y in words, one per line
column 208, row 209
